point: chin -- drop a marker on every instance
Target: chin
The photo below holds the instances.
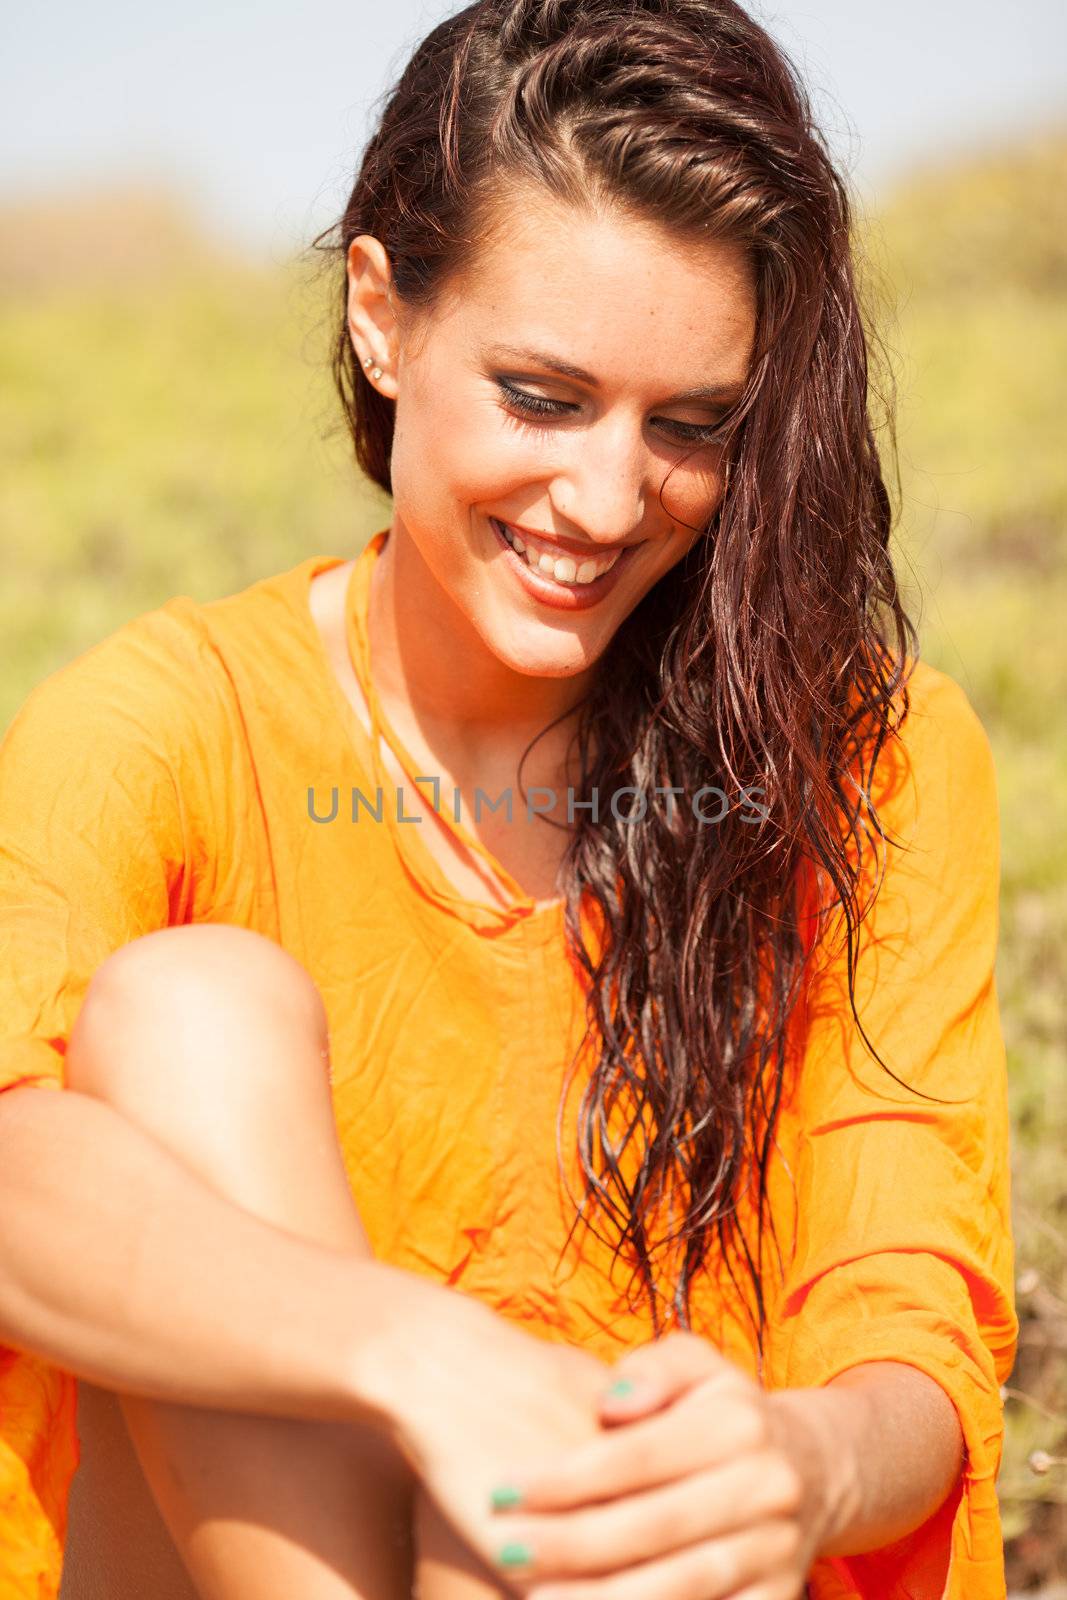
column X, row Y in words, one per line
column 542, row 663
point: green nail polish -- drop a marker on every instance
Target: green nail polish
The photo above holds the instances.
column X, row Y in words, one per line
column 504, row 1496
column 620, row 1387
column 515, row 1555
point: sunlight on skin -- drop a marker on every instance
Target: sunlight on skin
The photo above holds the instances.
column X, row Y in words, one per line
column 644, row 316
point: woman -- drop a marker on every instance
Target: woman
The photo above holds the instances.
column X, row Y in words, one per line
column 589, row 869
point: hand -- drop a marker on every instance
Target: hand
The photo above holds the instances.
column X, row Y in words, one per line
column 690, row 1492
column 467, row 1392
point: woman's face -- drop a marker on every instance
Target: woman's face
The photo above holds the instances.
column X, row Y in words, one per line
column 574, row 471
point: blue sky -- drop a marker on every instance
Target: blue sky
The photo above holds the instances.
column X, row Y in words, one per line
column 256, row 113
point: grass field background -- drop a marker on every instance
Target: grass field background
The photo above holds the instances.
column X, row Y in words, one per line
column 168, row 428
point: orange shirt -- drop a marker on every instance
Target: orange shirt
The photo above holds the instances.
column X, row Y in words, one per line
column 163, row 777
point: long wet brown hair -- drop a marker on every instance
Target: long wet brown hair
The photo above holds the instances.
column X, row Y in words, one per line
column 768, row 659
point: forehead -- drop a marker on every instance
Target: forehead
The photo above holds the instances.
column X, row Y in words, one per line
column 606, row 290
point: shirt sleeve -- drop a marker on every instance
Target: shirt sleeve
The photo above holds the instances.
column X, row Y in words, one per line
column 903, row 1245
column 98, row 787
column 94, row 818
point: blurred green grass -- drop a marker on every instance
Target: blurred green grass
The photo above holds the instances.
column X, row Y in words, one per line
column 167, row 426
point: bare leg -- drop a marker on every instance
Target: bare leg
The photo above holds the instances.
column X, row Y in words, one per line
column 213, row 1040
column 445, row 1567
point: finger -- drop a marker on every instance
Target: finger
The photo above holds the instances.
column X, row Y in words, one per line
column 656, row 1373
column 763, row 1556
column 623, row 1533
column 711, row 1427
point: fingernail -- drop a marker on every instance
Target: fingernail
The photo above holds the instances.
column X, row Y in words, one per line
column 515, row 1555
column 505, row 1495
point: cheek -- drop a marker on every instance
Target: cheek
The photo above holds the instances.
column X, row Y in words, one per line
column 427, row 473
column 456, row 450
column 692, row 493
column 490, row 458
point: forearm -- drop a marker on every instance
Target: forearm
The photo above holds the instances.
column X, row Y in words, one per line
column 122, row 1266
column 879, row 1449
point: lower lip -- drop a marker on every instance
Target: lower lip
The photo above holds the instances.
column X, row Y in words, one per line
column 563, row 596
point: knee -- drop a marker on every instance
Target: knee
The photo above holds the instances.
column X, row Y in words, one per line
column 178, row 983
column 206, row 964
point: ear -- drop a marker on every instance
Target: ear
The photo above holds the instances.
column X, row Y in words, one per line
column 372, row 320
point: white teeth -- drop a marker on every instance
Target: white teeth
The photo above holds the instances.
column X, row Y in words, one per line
column 563, row 569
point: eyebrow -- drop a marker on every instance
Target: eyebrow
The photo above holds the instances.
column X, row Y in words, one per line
column 704, row 391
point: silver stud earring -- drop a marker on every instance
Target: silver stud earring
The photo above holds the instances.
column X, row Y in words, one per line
column 368, row 361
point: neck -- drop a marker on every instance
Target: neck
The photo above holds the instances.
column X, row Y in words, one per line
column 480, row 718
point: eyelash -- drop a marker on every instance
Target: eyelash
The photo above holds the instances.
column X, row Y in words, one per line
column 535, row 405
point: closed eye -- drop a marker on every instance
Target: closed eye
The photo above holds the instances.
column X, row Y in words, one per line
column 536, row 405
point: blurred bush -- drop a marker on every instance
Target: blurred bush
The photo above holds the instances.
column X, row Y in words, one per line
column 168, row 426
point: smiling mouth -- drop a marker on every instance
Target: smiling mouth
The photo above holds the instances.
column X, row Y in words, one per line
column 549, row 562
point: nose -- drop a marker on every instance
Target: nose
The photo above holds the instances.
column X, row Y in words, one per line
column 601, row 484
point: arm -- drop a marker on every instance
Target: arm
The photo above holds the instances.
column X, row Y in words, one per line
column 180, row 1296
column 878, row 1450
column 904, row 1255
column 116, row 1262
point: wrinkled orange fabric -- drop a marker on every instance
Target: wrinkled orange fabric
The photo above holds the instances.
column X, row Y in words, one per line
column 163, row 777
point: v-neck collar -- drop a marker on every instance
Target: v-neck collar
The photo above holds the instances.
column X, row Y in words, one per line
column 417, row 859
